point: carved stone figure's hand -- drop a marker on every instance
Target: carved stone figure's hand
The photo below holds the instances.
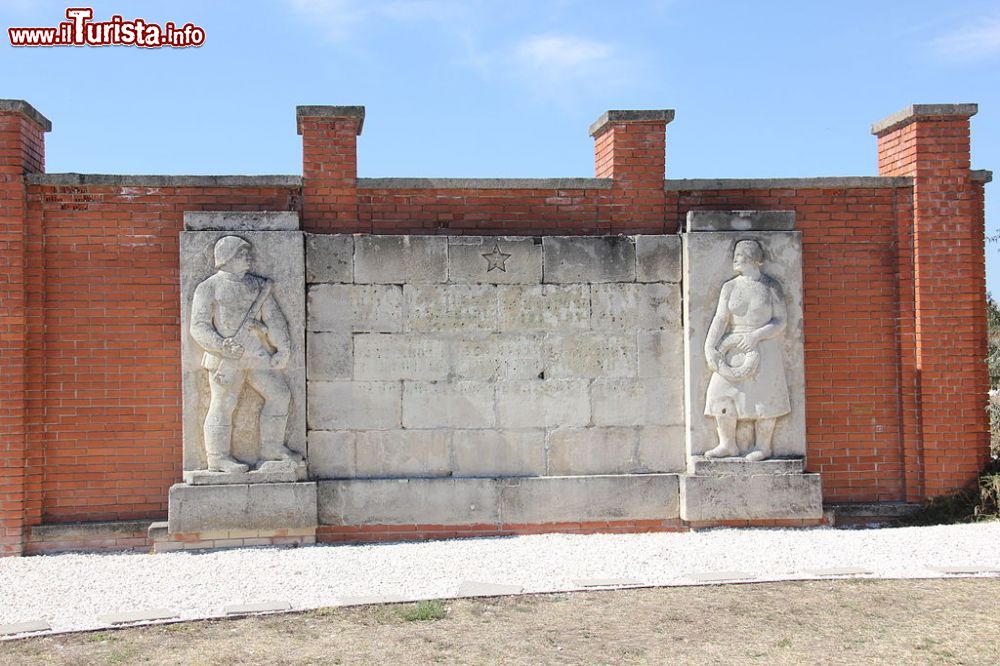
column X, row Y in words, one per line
column 714, row 358
column 748, row 342
column 279, row 360
column 231, row 348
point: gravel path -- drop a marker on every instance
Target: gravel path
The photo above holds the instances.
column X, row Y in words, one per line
column 73, row 592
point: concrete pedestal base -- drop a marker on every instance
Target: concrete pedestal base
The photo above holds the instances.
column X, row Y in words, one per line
column 260, row 506
column 745, row 495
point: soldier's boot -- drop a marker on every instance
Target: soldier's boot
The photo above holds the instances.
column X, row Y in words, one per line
column 272, row 440
column 218, row 440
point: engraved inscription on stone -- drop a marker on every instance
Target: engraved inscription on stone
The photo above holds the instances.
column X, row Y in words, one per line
column 545, row 307
column 498, row 357
column 356, row 307
column 450, row 307
column 391, row 357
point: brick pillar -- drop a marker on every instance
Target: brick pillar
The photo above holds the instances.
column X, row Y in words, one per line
column 330, row 167
column 930, row 143
column 630, row 148
column 22, row 151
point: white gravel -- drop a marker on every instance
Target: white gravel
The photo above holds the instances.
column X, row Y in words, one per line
column 71, row 592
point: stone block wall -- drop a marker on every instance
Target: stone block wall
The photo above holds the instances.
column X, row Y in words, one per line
column 474, row 356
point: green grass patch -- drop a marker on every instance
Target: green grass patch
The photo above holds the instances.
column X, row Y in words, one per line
column 424, row 611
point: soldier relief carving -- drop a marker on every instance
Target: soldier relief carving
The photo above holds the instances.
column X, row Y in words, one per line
column 239, row 325
column 744, row 350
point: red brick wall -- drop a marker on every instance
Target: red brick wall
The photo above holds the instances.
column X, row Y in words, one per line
column 22, row 151
column 89, row 311
column 948, row 266
column 106, row 392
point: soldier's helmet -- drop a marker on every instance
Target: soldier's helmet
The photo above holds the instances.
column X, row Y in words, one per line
column 226, row 248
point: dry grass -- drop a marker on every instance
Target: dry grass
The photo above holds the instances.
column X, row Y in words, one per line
column 830, row 622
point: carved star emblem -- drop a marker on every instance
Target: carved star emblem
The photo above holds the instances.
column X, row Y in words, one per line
column 496, row 259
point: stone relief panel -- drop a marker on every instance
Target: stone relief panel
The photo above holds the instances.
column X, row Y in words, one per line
column 743, row 304
column 243, row 320
column 744, row 350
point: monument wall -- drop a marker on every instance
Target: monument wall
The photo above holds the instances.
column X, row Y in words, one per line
column 894, row 329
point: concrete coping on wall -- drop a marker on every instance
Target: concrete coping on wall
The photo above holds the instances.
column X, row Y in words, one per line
column 486, row 183
column 22, row 107
column 315, row 111
column 163, row 181
column 674, row 185
column 917, row 111
column 821, row 183
column 982, row 176
column 630, row 116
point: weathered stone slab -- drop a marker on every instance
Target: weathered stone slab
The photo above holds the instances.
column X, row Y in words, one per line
column 340, row 405
column 839, row 571
column 661, row 449
column 28, row 627
column 590, row 355
column 400, row 259
column 497, row 453
column 580, row 451
column 494, row 260
column 765, row 496
column 627, row 307
column 450, row 308
column 256, row 506
column 402, row 453
column 277, row 256
column 356, row 308
column 257, row 607
column 740, row 220
column 544, row 308
column 743, row 467
column 497, row 357
column 461, row 404
column 607, row 582
column 548, row 403
column 144, row 615
column 658, row 258
column 708, row 261
column 661, row 354
column 329, row 258
column 568, row 259
column 404, row 356
column 329, row 355
column 367, row 600
column 272, row 471
column 471, row 588
column 637, row 401
column 332, row 454
column 241, row 221
column 408, row 502
column 585, row 498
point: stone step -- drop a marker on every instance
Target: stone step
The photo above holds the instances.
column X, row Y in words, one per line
column 742, row 467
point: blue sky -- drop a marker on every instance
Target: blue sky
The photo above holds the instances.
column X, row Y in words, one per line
column 490, row 89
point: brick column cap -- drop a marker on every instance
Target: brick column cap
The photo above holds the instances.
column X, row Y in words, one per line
column 356, row 112
column 916, row 112
column 630, row 116
column 26, row 110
